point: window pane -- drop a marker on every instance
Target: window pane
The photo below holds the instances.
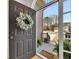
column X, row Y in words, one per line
column 50, row 17
column 67, row 5
column 51, row 10
column 67, row 17
column 67, row 44
column 67, row 34
column 67, row 55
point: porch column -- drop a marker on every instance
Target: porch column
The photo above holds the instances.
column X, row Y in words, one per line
column 60, row 28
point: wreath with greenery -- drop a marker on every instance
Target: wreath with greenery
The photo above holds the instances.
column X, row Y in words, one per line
column 24, row 21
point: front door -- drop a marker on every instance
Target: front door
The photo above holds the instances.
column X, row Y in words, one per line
column 22, row 43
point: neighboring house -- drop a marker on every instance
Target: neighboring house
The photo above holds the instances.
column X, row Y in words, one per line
column 50, row 23
column 67, row 30
column 67, row 35
column 51, row 20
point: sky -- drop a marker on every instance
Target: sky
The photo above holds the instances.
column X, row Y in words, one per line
column 53, row 10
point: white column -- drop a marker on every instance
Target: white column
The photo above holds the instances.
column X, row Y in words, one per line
column 60, row 28
column 39, row 24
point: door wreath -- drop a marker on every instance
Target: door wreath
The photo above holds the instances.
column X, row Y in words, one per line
column 24, row 21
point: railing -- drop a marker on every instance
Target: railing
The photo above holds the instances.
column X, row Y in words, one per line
column 66, row 54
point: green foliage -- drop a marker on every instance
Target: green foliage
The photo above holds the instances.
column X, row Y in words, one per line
column 56, row 49
column 67, row 46
column 67, row 55
column 39, row 41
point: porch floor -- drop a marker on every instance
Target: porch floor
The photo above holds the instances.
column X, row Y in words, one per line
column 47, row 47
column 36, row 57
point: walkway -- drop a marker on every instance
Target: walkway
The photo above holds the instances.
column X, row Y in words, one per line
column 47, row 47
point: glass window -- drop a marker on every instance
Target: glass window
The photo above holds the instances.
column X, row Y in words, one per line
column 50, row 17
column 66, row 55
column 67, row 5
column 51, row 10
column 67, row 30
column 67, row 17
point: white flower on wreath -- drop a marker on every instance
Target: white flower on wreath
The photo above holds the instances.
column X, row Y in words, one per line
column 24, row 21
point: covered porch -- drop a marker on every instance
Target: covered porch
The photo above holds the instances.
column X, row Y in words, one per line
column 49, row 29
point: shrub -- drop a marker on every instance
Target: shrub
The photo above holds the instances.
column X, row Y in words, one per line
column 67, row 46
column 39, row 41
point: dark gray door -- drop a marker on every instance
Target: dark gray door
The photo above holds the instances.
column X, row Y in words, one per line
column 22, row 43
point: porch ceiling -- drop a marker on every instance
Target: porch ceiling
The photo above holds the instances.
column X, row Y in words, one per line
column 40, row 2
column 35, row 4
